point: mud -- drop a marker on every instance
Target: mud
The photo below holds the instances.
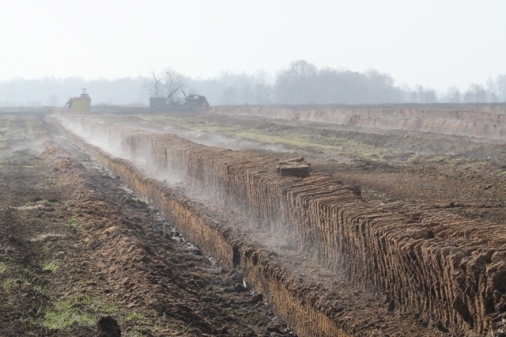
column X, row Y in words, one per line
column 387, row 240
column 77, row 246
column 439, row 270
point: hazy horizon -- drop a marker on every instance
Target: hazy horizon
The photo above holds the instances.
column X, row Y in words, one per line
column 430, row 43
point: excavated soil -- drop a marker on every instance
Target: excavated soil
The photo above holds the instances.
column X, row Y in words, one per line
column 81, row 254
column 399, row 229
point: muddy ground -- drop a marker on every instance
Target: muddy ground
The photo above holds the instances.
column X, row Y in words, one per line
column 461, row 175
column 77, row 246
column 466, row 175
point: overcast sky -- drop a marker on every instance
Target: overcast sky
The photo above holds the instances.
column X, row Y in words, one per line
column 433, row 43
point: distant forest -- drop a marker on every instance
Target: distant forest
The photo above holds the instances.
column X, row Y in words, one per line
column 300, row 83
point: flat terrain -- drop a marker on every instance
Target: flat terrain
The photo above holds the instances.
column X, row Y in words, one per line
column 77, row 245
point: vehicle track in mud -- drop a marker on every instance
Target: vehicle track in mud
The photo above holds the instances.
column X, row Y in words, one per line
column 77, row 245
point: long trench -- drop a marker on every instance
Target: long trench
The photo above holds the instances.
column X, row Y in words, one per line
column 331, row 264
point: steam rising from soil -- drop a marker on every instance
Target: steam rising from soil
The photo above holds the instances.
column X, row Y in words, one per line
column 141, row 155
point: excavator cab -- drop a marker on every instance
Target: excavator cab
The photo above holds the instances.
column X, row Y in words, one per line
column 80, row 104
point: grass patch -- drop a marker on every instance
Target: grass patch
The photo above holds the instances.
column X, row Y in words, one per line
column 37, row 287
column 73, row 222
column 63, row 314
column 3, row 267
column 184, row 328
column 135, row 317
column 290, row 138
column 11, row 282
column 111, row 310
column 52, row 267
column 83, row 311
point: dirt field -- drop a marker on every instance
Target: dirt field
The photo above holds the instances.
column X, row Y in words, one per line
column 77, row 244
column 467, row 175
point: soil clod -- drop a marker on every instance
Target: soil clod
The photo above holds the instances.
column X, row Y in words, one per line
column 108, row 327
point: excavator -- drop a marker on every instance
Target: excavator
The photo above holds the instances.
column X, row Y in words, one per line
column 172, row 103
column 81, row 104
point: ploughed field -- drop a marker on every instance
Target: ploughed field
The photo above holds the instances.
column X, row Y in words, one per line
column 398, row 230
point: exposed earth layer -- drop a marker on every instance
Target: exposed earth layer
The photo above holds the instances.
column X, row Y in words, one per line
column 398, row 230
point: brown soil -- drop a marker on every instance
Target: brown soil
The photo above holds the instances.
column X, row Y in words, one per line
column 75, row 241
column 76, row 246
column 427, row 172
column 466, row 175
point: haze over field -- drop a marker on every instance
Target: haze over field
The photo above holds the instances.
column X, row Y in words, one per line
column 236, row 52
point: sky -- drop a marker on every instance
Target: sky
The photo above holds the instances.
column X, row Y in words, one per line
column 431, row 43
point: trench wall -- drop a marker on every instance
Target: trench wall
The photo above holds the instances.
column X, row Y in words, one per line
column 486, row 122
column 303, row 310
column 433, row 264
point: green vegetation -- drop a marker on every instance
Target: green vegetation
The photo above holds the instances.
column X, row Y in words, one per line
column 111, row 310
column 9, row 283
column 64, row 314
column 3, row 267
column 83, row 311
column 38, row 288
column 333, row 143
column 184, row 328
column 239, row 132
column 135, row 317
column 52, row 267
column 73, row 222
column 298, row 140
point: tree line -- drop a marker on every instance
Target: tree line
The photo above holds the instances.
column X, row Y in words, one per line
column 300, row 83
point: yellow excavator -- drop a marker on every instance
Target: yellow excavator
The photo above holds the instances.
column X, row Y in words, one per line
column 80, row 104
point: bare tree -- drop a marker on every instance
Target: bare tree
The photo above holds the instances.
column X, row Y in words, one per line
column 475, row 94
column 453, row 95
column 263, row 94
column 229, row 96
column 294, row 85
column 247, row 94
column 154, row 84
column 501, row 87
column 173, row 80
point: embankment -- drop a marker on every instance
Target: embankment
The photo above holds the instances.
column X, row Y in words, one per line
column 487, row 122
column 434, row 266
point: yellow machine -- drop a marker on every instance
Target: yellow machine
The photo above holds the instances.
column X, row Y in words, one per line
column 81, row 104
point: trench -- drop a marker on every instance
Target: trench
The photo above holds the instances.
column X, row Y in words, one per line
column 429, row 265
column 480, row 121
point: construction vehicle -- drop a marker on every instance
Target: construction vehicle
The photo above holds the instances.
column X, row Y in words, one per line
column 81, row 104
column 173, row 103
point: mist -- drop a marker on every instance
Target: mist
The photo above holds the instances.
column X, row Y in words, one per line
column 300, row 83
